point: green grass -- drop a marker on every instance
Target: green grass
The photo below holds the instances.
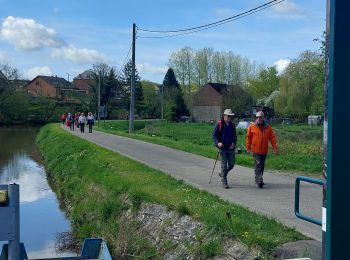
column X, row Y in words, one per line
column 92, row 181
column 300, row 146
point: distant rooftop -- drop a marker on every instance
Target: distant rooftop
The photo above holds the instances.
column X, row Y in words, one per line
column 217, row 86
column 87, row 74
column 57, row 81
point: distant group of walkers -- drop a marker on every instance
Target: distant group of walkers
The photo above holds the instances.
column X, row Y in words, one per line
column 259, row 133
column 78, row 120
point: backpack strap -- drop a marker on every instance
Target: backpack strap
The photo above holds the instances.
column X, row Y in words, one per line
column 220, row 124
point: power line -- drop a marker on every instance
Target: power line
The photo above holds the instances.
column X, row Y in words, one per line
column 217, row 23
column 239, row 16
column 125, row 60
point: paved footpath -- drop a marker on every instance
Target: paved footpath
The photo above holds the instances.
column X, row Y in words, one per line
column 276, row 199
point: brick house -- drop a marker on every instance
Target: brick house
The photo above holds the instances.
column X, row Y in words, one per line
column 53, row 87
column 84, row 81
column 207, row 103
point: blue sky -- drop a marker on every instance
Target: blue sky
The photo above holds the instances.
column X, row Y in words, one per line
column 61, row 37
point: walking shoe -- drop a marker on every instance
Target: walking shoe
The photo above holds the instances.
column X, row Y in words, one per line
column 261, row 185
column 225, row 186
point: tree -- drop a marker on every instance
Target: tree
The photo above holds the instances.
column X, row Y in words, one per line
column 174, row 104
column 219, row 67
column 110, row 85
column 196, row 68
column 238, row 99
column 266, row 83
column 301, row 86
column 126, row 83
column 8, row 77
column 152, row 106
column 201, row 64
column 12, row 106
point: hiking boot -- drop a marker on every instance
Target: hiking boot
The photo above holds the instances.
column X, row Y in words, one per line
column 224, row 183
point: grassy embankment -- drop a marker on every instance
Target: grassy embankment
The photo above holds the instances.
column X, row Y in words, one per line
column 300, row 146
column 94, row 182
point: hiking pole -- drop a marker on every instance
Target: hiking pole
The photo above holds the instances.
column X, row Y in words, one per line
column 217, row 156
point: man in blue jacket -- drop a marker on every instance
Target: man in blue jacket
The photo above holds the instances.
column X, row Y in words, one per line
column 225, row 138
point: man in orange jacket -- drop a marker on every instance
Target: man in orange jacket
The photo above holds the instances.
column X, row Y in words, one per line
column 257, row 140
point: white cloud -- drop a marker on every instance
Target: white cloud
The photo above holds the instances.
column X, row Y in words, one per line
column 26, row 34
column 79, row 56
column 35, row 71
column 281, row 65
column 148, row 68
column 287, row 9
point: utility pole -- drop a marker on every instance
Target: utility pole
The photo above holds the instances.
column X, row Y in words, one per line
column 132, row 92
column 98, row 99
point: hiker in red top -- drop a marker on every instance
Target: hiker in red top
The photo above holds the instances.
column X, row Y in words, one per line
column 257, row 140
column 225, row 138
column 63, row 118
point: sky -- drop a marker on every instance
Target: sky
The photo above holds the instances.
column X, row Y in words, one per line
column 66, row 37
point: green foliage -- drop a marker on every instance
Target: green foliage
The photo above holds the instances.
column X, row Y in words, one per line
column 194, row 68
column 266, row 83
column 152, row 106
column 211, row 248
column 302, row 84
column 238, row 99
column 105, row 77
column 174, row 104
column 182, row 209
column 138, row 91
column 15, row 108
column 96, row 179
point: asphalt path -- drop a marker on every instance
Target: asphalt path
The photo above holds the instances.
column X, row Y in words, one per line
column 276, row 199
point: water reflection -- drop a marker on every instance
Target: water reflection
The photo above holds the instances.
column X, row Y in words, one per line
column 29, row 174
column 40, row 216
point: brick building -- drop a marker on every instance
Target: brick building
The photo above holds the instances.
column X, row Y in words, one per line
column 84, row 81
column 53, row 87
column 207, row 103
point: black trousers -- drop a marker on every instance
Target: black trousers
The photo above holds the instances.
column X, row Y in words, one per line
column 259, row 167
column 90, row 128
column 82, row 128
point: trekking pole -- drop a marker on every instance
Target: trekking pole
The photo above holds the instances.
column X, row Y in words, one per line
column 217, row 156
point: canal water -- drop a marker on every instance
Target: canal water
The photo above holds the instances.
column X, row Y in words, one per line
column 41, row 219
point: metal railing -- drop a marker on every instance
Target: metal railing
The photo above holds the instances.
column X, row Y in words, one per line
column 297, row 197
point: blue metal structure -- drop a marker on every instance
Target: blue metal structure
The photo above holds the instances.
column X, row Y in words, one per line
column 93, row 248
column 297, row 196
column 337, row 226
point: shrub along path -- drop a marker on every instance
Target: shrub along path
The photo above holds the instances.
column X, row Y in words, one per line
column 276, row 199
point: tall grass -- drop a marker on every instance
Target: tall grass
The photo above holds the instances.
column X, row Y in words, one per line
column 300, row 146
column 92, row 181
